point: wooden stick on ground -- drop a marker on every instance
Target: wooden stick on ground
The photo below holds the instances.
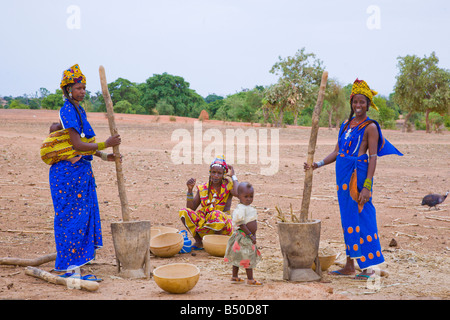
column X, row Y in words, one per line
column 312, row 148
column 114, row 131
column 28, row 262
column 69, row 282
column 29, row 231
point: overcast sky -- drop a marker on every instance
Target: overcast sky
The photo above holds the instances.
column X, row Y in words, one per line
column 217, row 46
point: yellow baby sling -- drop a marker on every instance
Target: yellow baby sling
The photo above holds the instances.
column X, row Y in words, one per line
column 58, row 147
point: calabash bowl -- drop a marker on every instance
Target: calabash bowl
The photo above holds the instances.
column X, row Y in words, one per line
column 166, row 244
column 176, row 277
column 215, row 244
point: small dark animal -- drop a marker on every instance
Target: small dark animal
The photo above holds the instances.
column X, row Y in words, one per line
column 432, row 200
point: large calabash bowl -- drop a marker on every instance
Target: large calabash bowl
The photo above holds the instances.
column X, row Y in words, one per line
column 176, row 277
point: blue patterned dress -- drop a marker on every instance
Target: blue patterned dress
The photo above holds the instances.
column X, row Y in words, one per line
column 359, row 223
column 77, row 224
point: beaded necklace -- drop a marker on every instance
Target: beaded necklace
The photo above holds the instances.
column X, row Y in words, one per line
column 353, row 125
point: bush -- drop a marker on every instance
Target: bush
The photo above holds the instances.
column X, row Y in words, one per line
column 447, row 121
column 436, row 121
column 164, row 108
column 17, row 105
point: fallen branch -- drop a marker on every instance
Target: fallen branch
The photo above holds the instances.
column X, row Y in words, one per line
column 402, row 225
column 29, row 231
column 398, row 233
column 28, row 262
column 437, row 218
column 436, row 227
column 72, row 283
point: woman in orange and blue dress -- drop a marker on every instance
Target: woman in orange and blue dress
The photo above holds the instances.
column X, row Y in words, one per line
column 77, row 225
column 360, row 142
column 214, row 198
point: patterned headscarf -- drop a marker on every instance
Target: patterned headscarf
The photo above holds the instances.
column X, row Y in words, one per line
column 361, row 87
column 219, row 162
column 72, row 75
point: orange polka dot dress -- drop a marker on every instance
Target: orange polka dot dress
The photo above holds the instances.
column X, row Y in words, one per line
column 77, row 224
column 359, row 223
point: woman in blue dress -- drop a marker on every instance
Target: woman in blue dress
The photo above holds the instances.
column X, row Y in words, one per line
column 77, row 224
column 355, row 170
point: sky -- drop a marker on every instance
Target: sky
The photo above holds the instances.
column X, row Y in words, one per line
column 218, row 47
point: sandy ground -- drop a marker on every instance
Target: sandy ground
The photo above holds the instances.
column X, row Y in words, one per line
column 418, row 266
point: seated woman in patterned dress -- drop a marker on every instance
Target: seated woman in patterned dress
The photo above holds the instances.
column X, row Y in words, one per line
column 214, row 198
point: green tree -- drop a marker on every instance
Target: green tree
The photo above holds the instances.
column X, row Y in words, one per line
column 53, row 101
column 213, row 107
column 16, row 104
column 97, row 102
column 122, row 107
column 335, row 95
column 212, row 97
column 385, row 115
column 123, row 90
column 422, row 86
column 43, row 92
column 175, row 91
column 299, row 78
column 241, row 106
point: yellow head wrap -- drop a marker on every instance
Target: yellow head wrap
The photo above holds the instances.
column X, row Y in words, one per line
column 361, row 87
column 72, row 75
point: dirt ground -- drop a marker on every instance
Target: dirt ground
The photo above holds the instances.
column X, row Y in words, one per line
column 418, row 267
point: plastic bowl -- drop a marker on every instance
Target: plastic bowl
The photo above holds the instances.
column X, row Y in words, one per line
column 215, row 244
column 176, row 277
column 166, row 244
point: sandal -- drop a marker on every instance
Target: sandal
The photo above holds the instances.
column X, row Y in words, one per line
column 91, row 277
column 362, row 277
column 73, row 275
column 236, row 280
column 338, row 273
column 253, row 283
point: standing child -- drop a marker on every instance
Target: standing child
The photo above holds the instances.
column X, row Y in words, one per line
column 241, row 249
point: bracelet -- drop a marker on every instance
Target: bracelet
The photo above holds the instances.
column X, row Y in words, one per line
column 250, row 235
column 189, row 196
column 101, row 146
column 368, row 184
column 321, row 163
column 233, row 177
column 104, row 156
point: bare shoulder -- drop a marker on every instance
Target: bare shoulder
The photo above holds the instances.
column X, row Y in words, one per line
column 372, row 129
